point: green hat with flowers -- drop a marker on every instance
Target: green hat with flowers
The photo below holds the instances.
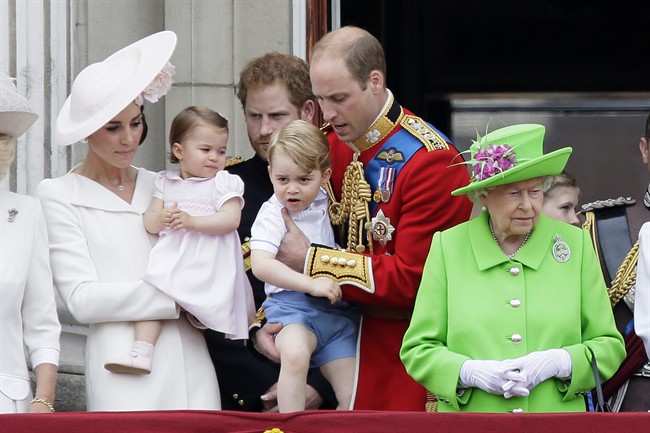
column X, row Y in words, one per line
column 512, row 154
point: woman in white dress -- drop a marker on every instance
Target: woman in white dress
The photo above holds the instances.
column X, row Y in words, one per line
column 28, row 309
column 99, row 247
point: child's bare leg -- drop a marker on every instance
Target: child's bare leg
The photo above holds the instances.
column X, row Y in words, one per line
column 148, row 331
column 296, row 345
column 140, row 359
column 340, row 374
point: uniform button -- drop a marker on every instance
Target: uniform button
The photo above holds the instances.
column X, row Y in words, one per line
column 240, row 402
column 515, row 303
column 517, row 410
column 515, row 338
column 514, row 271
column 235, row 396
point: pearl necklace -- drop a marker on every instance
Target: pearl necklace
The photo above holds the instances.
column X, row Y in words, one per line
column 510, row 256
column 120, row 187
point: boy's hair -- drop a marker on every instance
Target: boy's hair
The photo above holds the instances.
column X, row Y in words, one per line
column 292, row 71
column 304, row 143
column 647, row 128
column 189, row 118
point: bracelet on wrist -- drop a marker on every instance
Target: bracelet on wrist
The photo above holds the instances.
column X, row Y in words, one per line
column 43, row 401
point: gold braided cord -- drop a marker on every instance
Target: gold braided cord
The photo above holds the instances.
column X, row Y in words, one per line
column 353, row 207
column 625, row 276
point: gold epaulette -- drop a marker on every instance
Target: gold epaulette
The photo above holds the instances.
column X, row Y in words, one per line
column 605, row 204
column 341, row 266
column 234, row 161
column 431, row 139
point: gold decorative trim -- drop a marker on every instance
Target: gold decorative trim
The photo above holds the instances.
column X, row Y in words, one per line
column 353, row 207
column 431, row 139
column 246, row 253
column 432, row 403
column 260, row 316
column 380, row 129
column 341, row 266
column 625, row 276
column 234, row 161
column 609, row 203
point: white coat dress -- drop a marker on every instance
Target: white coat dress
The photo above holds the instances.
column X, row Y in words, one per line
column 99, row 251
column 27, row 307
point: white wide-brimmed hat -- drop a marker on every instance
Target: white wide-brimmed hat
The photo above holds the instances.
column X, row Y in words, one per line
column 15, row 115
column 102, row 90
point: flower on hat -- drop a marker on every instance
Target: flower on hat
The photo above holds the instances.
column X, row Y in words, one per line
column 493, row 159
column 488, row 159
column 159, row 86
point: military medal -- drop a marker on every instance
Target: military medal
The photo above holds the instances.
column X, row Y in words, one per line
column 384, row 184
column 381, row 229
column 561, row 251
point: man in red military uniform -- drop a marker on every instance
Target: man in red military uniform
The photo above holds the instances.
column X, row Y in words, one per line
column 391, row 183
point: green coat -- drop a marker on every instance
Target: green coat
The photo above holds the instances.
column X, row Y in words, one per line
column 473, row 299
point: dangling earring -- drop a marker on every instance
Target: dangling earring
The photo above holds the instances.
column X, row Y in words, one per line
column 84, row 140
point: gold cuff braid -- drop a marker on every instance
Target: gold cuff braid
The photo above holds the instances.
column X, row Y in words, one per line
column 341, row 266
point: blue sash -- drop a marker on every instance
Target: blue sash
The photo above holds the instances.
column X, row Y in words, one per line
column 403, row 146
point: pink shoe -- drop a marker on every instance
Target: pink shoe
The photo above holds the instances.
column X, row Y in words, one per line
column 138, row 361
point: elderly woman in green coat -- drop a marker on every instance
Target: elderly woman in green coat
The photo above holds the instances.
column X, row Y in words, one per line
column 512, row 303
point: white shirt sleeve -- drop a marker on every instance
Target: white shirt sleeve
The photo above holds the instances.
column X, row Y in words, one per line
column 642, row 294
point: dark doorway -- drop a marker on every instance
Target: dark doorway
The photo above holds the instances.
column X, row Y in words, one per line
column 436, row 48
column 582, row 68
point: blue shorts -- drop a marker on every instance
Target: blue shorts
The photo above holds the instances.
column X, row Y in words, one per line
column 336, row 326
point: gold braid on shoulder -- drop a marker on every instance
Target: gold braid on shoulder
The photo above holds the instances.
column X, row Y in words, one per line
column 353, row 207
column 626, row 274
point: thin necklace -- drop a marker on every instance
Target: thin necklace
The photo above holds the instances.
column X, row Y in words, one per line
column 510, row 256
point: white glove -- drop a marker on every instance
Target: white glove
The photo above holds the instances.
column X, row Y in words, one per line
column 515, row 385
column 537, row 367
column 486, row 375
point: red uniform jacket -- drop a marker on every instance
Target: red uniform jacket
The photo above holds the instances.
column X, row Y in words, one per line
column 420, row 204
